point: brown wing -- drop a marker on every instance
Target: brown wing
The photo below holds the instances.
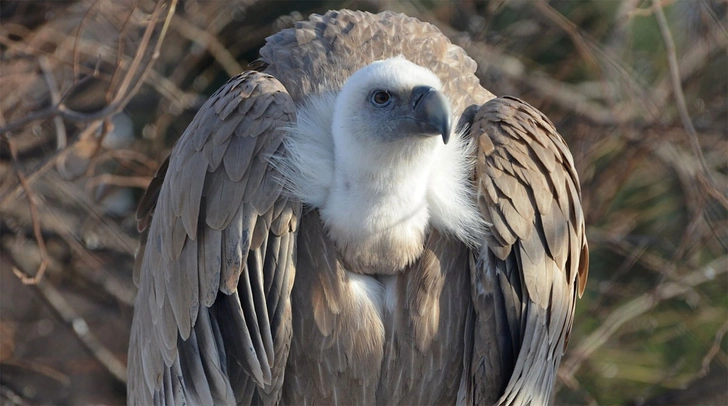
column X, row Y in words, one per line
column 526, row 278
column 212, row 317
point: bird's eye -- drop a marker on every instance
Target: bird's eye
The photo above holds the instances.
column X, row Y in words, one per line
column 381, row 98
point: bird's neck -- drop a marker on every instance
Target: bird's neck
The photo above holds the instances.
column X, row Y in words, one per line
column 385, row 168
column 377, row 209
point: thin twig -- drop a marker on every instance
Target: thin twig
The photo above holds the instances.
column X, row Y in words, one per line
column 28, row 49
column 119, row 52
column 124, row 157
column 81, row 330
column 693, row 59
column 568, row 26
column 620, row 23
column 65, row 112
column 645, row 12
column 108, row 233
column 15, row 193
column 77, row 38
column 138, row 57
column 677, row 89
column 178, row 100
column 38, row 368
column 210, row 42
column 152, row 59
column 61, row 137
column 141, row 182
column 30, row 196
column 29, row 118
column 631, row 257
column 714, row 349
column 685, row 165
column 123, row 293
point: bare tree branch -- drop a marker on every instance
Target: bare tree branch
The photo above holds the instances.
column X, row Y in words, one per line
column 30, row 196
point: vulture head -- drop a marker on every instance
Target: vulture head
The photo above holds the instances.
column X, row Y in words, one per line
column 392, row 100
column 380, row 161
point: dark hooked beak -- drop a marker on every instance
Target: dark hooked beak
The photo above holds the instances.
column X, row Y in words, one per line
column 431, row 112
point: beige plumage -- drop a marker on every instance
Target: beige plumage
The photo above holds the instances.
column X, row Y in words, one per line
column 248, row 295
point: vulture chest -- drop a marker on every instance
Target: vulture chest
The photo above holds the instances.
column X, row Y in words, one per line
column 368, row 339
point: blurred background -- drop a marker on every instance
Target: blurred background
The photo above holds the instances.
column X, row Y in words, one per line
column 93, row 94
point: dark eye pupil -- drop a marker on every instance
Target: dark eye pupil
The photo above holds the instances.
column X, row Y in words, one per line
column 381, row 97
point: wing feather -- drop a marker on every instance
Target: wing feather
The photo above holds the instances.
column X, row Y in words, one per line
column 208, row 328
column 176, row 235
column 209, row 264
column 237, row 157
column 193, row 198
column 214, row 368
column 193, row 372
column 526, row 278
column 270, row 191
column 235, row 244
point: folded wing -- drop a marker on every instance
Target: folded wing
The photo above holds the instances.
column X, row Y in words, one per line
column 216, row 266
column 535, row 260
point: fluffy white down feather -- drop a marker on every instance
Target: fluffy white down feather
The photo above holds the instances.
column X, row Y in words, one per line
column 379, row 197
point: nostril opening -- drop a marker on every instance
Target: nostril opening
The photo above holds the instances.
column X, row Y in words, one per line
column 418, row 93
column 417, row 99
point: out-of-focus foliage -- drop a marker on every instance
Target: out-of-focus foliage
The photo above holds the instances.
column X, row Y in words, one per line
column 88, row 110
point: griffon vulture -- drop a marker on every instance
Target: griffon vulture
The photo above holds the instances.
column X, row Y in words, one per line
column 358, row 223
